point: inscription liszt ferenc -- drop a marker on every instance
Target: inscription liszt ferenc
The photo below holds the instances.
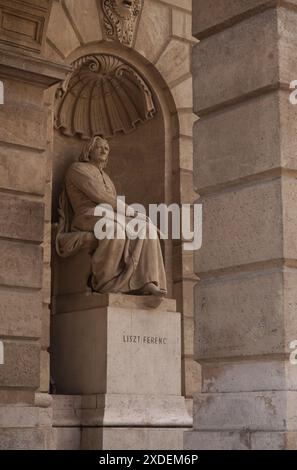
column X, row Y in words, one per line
column 144, row 339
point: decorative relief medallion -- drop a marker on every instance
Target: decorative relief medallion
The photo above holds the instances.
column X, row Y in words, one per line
column 120, row 19
column 102, row 96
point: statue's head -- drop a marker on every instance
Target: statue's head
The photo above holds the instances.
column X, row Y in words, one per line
column 96, row 150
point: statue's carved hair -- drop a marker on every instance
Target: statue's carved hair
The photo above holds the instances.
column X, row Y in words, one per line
column 87, row 148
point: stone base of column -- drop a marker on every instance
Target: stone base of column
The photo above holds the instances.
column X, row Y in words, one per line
column 261, row 420
column 240, row 440
column 27, row 427
column 132, row 438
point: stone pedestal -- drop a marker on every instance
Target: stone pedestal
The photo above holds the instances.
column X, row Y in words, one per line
column 122, row 356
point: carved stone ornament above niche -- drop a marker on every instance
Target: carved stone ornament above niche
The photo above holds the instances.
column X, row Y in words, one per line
column 121, row 18
column 102, row 96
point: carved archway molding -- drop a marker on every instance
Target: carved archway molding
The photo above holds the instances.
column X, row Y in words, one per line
column 102, row 96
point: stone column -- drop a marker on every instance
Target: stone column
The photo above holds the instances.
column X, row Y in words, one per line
column 245, row 171
column 25, row 418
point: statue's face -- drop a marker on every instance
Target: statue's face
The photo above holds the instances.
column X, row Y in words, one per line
column 100, row 152
column 124, row 8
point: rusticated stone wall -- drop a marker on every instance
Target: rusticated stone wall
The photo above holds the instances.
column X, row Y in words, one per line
column 245, row 171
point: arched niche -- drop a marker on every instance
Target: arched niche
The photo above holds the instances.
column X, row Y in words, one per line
column 141, row 159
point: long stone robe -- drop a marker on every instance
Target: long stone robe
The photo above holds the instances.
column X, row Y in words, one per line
column 118, row 265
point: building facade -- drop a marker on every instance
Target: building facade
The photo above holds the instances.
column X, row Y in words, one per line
column 241, row 56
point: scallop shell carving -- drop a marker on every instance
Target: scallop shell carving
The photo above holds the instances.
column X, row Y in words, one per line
column 102, row 96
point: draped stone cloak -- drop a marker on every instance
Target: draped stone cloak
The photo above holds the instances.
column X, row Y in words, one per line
column 118, row 265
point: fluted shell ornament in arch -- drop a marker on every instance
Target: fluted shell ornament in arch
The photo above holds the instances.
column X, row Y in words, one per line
column 120, row 19
column 102, row 96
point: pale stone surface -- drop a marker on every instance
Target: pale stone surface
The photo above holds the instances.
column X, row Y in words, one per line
column 247, row 141
column 21, row 219
column 227, row 68
column 22, row 170
column 216, row 440
column 132, row 439
column 23, row 140
column 186, row 120
column 24, row 439
column 247, row 325
column 14, row 256
column 153, row 30
column 183, row 187
column 24, row 92
column 184, row 293
column 252, row 375
column 46, row 283
column 51, row 53
column 183, row 154
column 289, row 198
column 86, row 18
column 71, row 414
column 287, row 18
column 174, row 62
column 183, row 263
column 99, row 337
column 238, row 225
column 185, row 4
column 67, row 438
column 182, row 25
column 188, row 336
column 258, row 411
column 44, row 371
column 242, row 440
column 22, row 397
column 19, row 416
column 22, row 125
column 192, row 376
column 21, row 366
column 47, row 242
column 133, row 410
column 60, row 31
column 67, row 410
column 274, row 441
column 20, row 314
column 183, row 94
column 210, row 14
column 45, row 326
column 91, row 300
column 255, row 389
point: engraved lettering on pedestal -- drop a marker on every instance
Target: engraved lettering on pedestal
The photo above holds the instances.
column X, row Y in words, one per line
column 144, row 339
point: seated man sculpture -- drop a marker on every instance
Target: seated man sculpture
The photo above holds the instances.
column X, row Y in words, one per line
column 119, row 265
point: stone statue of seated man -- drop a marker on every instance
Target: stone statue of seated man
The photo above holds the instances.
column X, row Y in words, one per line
column 119, row 265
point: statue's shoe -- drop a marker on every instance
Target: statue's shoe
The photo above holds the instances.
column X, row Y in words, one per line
column 152, row 289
